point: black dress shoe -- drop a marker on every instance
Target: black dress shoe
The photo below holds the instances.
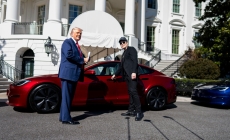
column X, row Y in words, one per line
column 139, row 116
column 70, row 122
column 131, row 114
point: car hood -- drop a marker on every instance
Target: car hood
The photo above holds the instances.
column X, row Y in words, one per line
column 211, row 86
column 205, row 86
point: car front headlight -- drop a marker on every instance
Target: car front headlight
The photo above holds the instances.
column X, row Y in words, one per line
column 21, row 82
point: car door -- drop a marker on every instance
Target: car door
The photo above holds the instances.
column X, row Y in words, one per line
column 98, row 88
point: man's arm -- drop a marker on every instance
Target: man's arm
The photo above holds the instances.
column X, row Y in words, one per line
column 133, row 56
column 117, row 72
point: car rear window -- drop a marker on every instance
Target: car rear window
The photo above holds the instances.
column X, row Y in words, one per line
column 144, row 70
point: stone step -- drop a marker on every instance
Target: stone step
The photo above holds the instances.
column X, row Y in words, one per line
column 5, row 82
column 3, row 79
column 4, row 86
column 3, row 90
column 164, row 66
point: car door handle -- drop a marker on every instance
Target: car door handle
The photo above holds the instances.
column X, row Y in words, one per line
column 144, row 78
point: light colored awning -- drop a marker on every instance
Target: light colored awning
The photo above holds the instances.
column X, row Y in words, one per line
column 101, row 32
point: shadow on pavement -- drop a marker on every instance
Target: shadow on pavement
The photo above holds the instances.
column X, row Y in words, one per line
column 167, row 117
column 91, row 110
column 88, row 114
column 128, row 126
column 23, row 110
column 169, row 106
column 149, row 121
column 3, row 102
column 209, row 105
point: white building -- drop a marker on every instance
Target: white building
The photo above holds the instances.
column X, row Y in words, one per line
column 166, row 25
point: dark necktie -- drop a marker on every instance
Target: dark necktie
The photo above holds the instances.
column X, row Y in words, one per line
column 79, row 49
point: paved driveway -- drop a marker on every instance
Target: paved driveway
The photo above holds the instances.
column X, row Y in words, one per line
column 180, row 121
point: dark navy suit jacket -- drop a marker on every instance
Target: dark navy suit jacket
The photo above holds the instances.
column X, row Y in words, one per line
column 71, row 61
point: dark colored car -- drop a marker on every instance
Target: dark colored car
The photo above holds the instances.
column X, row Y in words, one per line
column 216, row 94
column 43, row 93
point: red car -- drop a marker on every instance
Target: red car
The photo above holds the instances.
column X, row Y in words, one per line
column 43, row 93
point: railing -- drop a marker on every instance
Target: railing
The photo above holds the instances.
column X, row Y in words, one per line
column 156, row 57
column 31, row 28
column 9, row 71
column 177, row 63
column 65, row 29
column 154, row 52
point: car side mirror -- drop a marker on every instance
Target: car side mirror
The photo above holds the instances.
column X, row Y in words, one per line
column 90, row 72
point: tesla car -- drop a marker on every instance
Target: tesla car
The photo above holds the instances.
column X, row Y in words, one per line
column 216, row 94
column 43, row 93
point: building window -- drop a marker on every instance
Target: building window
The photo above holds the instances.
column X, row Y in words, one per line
column 41, row 18
column 150, row 38
column 197, row 44
column 152, row 4
column 175, row 41
column 74, row 11
column 122, row 26
column 198, row 10
column 176, row 6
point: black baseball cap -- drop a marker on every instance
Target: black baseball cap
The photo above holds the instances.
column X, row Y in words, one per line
column 122, row 39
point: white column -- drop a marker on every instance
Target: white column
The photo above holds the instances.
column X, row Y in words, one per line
column 53, row 26
column 138, row 21
column 129, row 17
column 0, row 14
column 143, row 23
column 100, row 5
column 55, row 11
column 12, row 11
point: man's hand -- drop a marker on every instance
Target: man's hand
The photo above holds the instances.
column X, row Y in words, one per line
column 133, row 76
column 86, row 60
column 113, row 77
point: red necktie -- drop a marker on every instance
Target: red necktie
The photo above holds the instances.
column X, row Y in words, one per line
column 79, row 49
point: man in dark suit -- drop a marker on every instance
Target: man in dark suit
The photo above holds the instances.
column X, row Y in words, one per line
column 128, row 69
column 70, row 69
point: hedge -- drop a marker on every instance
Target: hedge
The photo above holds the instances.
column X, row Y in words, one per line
column 184, row 87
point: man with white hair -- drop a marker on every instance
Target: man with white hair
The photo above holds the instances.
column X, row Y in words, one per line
column 70, row 69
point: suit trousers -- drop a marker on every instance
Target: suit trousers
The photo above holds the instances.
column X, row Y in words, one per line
column 68, row 90
column 134, row 101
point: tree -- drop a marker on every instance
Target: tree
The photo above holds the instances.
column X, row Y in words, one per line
column 215, row 33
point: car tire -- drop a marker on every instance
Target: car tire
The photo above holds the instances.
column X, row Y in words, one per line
column 156, row 98
column 45, row 98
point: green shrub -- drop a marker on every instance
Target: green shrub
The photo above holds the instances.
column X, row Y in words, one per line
column 199, row 69
column 184, row 87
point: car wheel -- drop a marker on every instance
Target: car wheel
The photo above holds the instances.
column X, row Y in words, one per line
column 156, row 98
column 45, row 98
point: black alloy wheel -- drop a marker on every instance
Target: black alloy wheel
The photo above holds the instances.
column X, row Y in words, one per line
column 45, row 98
column 156, row 98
